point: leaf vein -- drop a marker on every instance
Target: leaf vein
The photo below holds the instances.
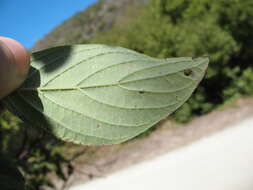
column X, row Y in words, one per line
column 82, row 114
column 88, row 59
column 53, row 60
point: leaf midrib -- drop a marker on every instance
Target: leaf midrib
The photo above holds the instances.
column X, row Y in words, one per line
column 103, row 85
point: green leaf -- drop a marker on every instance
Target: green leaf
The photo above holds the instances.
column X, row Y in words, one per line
column 98, row 94
column 10, row 177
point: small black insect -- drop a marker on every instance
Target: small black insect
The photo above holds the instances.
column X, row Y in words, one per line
column 188, row 72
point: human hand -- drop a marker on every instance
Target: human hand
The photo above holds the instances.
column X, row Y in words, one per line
column 14, row 65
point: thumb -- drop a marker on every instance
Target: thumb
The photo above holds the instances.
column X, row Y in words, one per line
column 14, row 65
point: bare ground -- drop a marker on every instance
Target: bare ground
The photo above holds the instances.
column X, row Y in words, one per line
column 98, row 162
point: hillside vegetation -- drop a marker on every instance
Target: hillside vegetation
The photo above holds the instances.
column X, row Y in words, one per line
column 80, row 28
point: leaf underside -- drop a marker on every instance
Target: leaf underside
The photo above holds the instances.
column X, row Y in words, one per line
column 98, row 94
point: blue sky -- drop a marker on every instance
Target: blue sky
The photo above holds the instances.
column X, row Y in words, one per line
column 29, row 20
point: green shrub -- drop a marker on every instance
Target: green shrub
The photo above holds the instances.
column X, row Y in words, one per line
column 35, row 153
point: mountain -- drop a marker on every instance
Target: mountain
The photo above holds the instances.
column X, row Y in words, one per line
column 80, row 28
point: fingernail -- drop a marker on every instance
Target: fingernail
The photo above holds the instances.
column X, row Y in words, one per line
column 20, row 54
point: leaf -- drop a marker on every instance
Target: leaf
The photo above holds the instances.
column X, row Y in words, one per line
column 10, row 177
column 97, row 94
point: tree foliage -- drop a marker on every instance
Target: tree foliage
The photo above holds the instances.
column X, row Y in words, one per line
column 35, row 153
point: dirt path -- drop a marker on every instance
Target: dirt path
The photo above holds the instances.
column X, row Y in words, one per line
column 102, row 161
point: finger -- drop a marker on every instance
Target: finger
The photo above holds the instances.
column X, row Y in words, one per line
column 14, row 65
